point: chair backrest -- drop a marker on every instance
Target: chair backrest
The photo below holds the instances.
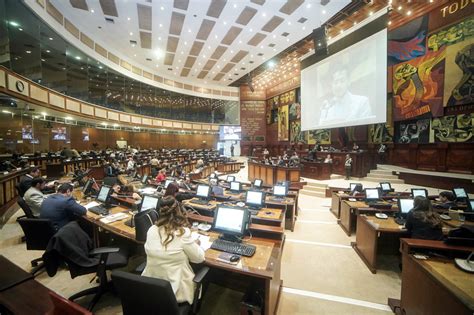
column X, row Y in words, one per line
column 144, row 295
column 109, row 181
column 18, row 189
column 24, row 206
column 143, row 221
column 38, row 232
column 63, row 306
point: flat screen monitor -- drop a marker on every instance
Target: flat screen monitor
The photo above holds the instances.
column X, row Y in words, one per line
column 280, row 190
column 149, row 202
column 167, row 182
column 87, row 187
column 419, row 192
column 255, row 198
column 104, row 194
column 230, row 220
column 470, row 205
column 27, row 132
column 385, row 186
column 203, row 191
column 459, row 193
column 372, row 194
column 144, row 179
column 404, row 206
column 258, row 183
column 59, row 133
column 235, row 186
column 230, row 178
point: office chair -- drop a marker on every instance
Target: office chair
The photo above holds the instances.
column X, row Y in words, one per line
column 38, row 232
column 63, row 306
column 145, row 295
column 26, row 209
column 109, row 181
column 73, row 246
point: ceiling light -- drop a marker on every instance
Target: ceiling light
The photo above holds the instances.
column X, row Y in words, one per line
column 161, row 25
column 131, row 34
column 235, row 5
column 48, row 51
column 308, row 6
column 409, row 12
column 289, row 23
column 92, row 10
column 28, row 51
column 189, row 30
column 128, row 18
column 13, row 23
column 78, row 57
column 304, row 27
column 20, row 29
column 271, row 64
column 323, row 12
column 159, row 38
column 225, row 23
column 274, row 36
column 399, row 8
column 162, row 8
column 389, row 22
column 134, row 55
column 68, row 117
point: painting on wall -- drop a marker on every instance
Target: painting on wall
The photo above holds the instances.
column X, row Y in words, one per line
column 451, row 35
column 380, row 133
column 322, row 136
column 418, row 86
column 459, row 74
column 296, row 135
column 452, row 128
column 408, row 41
column 295, row 111
column 416, row 131
column 283, row 123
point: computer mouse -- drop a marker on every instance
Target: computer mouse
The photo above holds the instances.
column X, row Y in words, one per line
column 234, row 258
column 268, row 212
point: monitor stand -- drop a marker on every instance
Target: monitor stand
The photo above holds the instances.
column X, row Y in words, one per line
column 230, row 238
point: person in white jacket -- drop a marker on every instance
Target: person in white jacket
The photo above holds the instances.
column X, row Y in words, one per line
column 33, row 196
column 170, row 248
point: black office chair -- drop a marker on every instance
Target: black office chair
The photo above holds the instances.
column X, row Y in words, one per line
column 26, row 209
column 109, row 181
column 73, row 246
column 38, row 232
column 145, row 295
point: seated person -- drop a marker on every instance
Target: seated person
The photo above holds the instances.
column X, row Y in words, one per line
column 33, row 196
column 422, row 222
column 61, row 208
column 25, row 181
column 125, row 191
column 173, row 190
column 161, row 176
column 447, row 200
column 328, row 159
column 294, row 159
column 170, row 248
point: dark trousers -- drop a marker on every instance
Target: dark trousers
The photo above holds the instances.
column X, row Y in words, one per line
column 348, row 172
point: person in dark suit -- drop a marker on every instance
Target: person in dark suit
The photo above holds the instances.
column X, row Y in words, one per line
column 422, row 222
column 447, row 200
column 25, row 181
column 61, row 208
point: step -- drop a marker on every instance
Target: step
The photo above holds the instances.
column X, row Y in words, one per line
column 337, row 176
column 387, row 177
column 312, row 193
column 314, row 188
column 381, row 179
column 379, row 171
column 313, row 184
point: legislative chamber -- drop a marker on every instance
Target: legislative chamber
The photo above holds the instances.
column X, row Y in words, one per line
column 236, row 157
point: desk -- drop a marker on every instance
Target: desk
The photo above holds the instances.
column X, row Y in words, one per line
column 8, row 193
column 263, row 268
column 272, row 174
column 362, row 162
column 316, row 170
column 434, row 286
column 229, row 167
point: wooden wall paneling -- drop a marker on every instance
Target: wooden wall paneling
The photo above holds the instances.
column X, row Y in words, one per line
column 427, row 158
column 459, row 158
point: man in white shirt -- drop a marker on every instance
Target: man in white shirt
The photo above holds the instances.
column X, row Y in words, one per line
column 33, row 196
column 130, row 164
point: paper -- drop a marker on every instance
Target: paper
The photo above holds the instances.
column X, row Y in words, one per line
column 205, row 243
column 91, row 204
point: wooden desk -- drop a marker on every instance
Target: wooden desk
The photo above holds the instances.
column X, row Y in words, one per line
column 434, row 286
column 316, row 170
column 8, row 193
column 272, row 174
column 362, row 162
column 262, row 269
column 229, row 167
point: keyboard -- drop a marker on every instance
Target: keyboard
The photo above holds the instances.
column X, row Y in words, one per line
column 100, row 210
column 199, row 201
column 400, row 221
column 233, row 247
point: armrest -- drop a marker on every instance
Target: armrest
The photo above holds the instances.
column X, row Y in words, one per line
column 104, row 250
column 199, row 276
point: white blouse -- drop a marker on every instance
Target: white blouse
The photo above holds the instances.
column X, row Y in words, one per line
column 172, row 263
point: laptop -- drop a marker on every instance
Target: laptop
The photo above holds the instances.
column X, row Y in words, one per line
column 404, row 206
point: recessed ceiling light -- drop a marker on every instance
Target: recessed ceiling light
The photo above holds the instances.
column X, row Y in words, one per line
column 78, row 57
column 225, row 23
column 189, row 30
column 161, row 25
column 159, row 38
column 215, row 36
column 308, row 6
column 134, row 55
column 399, row 8
column 409, row 12
column 131, row 33
column 274, row 36
column 264, row 14
column 235, row 5
column 289, row 23
column 48, row 51
column 128, row 18
column 323, row 12
column 162, row 8
column 14, row 23
column 261, row 46
column 92, row 10
column 28, row 51
column 50, row 38
column 20, row 29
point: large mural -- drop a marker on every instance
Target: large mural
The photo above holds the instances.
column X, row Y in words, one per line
column 283, row 123
column 457, row 128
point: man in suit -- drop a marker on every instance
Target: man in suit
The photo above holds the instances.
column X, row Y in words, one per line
column 33, row 196
column 25, row 181
column 61, row 208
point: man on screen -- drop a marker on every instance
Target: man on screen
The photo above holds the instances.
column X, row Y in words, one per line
column 343, row 105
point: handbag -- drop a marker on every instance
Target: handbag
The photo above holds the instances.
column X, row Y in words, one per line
column 143, row 221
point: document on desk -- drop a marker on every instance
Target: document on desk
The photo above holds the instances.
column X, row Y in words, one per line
column 114, row 217
column 91, row 204
column 205, row 243
column 147, row 190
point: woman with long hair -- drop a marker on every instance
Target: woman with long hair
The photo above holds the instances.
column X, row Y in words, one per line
column 170, row 248
column 422, row 222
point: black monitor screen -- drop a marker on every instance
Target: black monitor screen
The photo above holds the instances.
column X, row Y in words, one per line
column 372, row 194
column 258, row 183
column 213, row 175
column 203, row 191
column 230, row 178
column 385, row 186
column 103, row 193
column 87, row 186
column 405, row 205
column 419, row 192
column 279, row 190
column 254, row 198
column 460, row 193
column 235, row 186
column 149, row 202
column 230, row 220
column 471, row 205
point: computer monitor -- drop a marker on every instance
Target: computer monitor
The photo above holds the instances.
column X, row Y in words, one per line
column 459, row 193
column 230, row 178
column 372, row 194
column 235, row 186
column 167, row 182
column 231, row 221
column 144, row 179
column 149, row 202
column 203, row 191
column 356, row 188
column 213, row 175
column 87, row 187
column 255, row 199
column 104, row 194
column 280, row 190
column 217, row 190
column 258, row 183
column 404, row 206
column 385, row 186
column 470, row 210
column 419, row 192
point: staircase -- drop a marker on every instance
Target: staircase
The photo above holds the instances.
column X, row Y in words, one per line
column 314, row 189
column 380, row 175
